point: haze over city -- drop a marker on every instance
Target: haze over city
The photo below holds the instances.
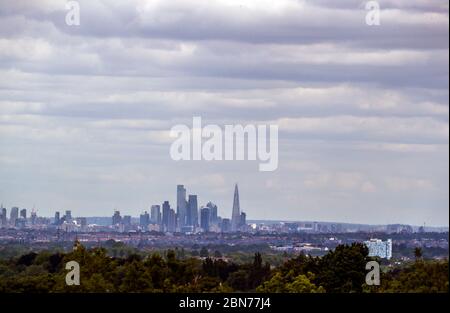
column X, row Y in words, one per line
column 363, row 112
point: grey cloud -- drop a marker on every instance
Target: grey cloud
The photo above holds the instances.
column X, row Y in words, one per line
column 299, row 23
column 363, row 111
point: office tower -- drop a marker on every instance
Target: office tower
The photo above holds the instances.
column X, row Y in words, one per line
column 243, row 220
column 181, row 205
column 126, row 220
column 144, row 220
column 33, row 217
column 205, row 215
column 68, row 216
column 82, row 222
column 171, row 220
column 236, row 214
column 226, row 225
column 165, row 214
column 155, row 214
column 13, row 216
column 192, row 216
column 57, row 218
column 20, row 223
column 213, row 209
column 23, row 213
column 188, row 220
column 4, row 219
column 116, row 219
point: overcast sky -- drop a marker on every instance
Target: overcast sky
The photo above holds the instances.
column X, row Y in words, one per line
column 363, row 110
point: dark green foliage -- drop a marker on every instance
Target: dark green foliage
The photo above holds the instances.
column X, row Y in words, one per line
column 249, row 276
column 428, row 277
column 418, row 253
column 204, row 253
column 342, row 270
column 27, row 259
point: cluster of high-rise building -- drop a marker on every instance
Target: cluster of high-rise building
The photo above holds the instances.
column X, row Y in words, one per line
column 186, row 217
column 17, row 218
column 68, row 223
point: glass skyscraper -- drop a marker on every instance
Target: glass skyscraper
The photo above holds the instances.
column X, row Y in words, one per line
column 181, row 205
column 236, row 214
column 192, row 212
column 205, row 215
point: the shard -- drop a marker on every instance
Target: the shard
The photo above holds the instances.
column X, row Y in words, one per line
column 236, row 215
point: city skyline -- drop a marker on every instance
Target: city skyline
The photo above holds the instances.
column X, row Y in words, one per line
column 186, row 217
column 181, row 193
column 362, row 110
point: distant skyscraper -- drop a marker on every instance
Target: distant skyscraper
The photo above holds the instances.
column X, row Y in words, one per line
column 213, row 209
column 144, row 220
column 165, row 215
column 205, row 215
column 23, row 213
column 192, row 216
column 116, row 219
column 126, row 220
column 20, row 223
column 4, row 219
column 33, row 217
column 236, row 214
column 68, row 216
column 172, row 221
column 57, row 218
column 155, row 214
column 226, row 225
column 181, row 205
column 243, row 221
column 13, row 216
column 82, row 223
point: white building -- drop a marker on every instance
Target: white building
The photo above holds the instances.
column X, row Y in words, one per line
column 379, row 248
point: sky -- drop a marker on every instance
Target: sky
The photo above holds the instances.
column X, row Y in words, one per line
column 363, row 111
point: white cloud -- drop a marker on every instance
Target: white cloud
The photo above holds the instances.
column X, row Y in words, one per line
column 408, row 184
column 85, row 112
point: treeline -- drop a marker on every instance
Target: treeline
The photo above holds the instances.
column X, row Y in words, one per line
column 341, row 270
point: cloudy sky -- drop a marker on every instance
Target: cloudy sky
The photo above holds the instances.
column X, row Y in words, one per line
column 363, row 110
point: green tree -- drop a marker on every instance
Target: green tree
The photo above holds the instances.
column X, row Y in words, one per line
column 276, row 284
column 303, row 284
column 290, row 284
column 418, row 253
column 420, row 277
column 204, row 252
column 343, row 270
column 238, row 280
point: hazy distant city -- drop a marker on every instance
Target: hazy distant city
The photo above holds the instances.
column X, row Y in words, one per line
column 187, row 223
column 187, row 217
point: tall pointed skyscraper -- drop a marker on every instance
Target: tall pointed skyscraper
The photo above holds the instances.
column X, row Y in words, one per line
column 236, row 215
